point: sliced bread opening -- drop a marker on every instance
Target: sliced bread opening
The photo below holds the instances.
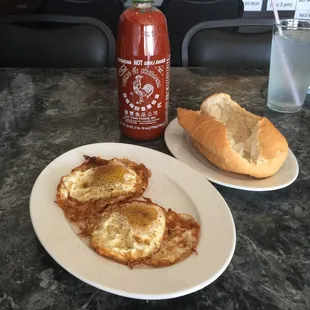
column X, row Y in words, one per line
column 242, row 126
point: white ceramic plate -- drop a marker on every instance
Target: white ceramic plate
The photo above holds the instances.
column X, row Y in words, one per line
column 173, row 185
column 180, row 145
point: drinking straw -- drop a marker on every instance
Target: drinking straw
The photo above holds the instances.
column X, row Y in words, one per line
column 282, row 56
column 276, row 16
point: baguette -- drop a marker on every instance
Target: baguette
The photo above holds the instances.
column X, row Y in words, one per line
column 234, row 139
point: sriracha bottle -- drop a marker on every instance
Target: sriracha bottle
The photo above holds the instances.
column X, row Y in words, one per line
column 143, row 71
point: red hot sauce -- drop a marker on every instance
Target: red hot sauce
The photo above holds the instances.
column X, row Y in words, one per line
column 143, row 71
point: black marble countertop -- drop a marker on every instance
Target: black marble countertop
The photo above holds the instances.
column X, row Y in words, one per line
column 44, row 113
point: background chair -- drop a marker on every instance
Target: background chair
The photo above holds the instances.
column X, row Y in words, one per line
column 208, row 44
column 182, row 15
column 108, row 11
column 55, row 41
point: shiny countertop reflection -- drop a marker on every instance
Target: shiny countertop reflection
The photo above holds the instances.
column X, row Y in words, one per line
column 44, row 113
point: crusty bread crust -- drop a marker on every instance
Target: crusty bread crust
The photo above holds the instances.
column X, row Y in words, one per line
column 210, row 137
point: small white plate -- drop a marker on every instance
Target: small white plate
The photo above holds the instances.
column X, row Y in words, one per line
column 173, row 185
column 181, row 146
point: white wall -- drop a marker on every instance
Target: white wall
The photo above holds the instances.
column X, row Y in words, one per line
column 302, row 7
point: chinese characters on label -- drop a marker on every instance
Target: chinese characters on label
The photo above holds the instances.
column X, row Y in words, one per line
column 144, row 92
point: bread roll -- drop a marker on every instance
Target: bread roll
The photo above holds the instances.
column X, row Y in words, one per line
column 234, row 139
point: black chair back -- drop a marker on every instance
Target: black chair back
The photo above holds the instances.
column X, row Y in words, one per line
column 108, row 11
column 55, row 41
column 208, row 44
column 182, row 15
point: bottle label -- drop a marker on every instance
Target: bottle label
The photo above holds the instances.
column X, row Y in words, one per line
column 143, row 87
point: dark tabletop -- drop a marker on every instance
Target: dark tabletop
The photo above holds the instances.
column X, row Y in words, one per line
column 44, row 113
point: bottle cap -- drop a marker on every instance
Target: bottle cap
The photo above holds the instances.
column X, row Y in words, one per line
column 142, row 1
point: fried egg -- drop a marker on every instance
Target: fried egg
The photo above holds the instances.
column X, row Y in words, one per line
column 180, row 240
column 89, row 188
column 129, row 232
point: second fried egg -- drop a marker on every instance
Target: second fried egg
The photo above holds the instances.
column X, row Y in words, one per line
column 129, row 232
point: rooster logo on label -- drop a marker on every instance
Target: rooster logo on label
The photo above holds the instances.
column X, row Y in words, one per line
column 144, row 85
column 141, row 90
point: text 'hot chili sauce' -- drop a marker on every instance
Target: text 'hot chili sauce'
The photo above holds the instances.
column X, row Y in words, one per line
column 143, row 71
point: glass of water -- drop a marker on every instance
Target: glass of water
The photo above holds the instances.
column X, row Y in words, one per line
column 289, row 76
